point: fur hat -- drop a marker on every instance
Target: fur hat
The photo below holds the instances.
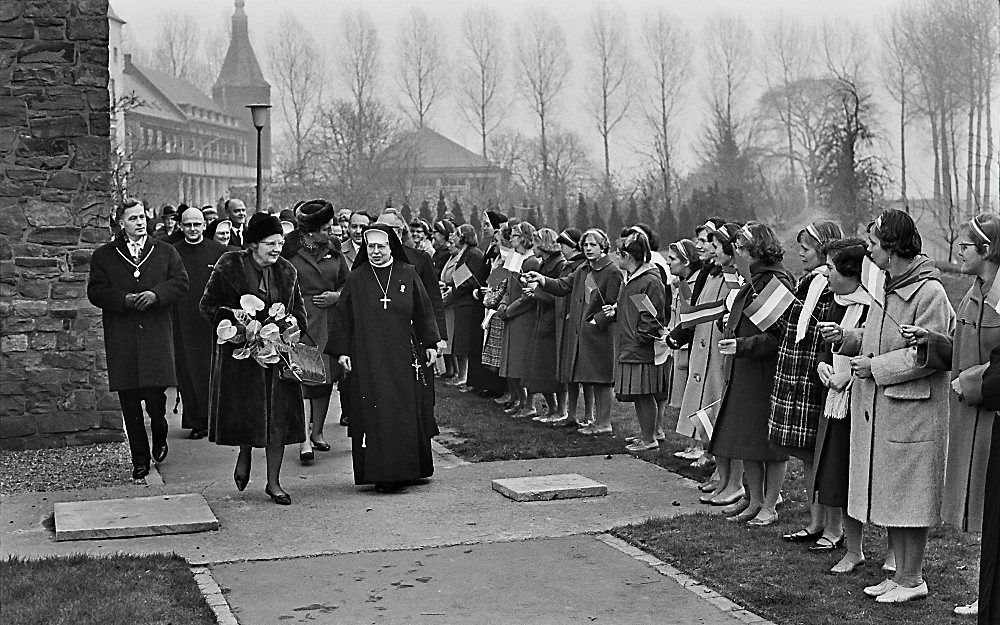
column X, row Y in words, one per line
column 260, row 227
column 314, row 213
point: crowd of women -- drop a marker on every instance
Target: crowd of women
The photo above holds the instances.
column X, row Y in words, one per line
column 860, row 368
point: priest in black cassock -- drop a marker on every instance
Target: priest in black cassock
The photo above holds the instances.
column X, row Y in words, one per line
column 384, row 332
column 193, row 335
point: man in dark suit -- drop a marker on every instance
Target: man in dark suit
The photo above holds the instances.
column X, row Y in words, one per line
column 135, row 280
column 237, row 212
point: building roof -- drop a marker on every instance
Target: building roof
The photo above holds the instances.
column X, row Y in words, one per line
column 240, row 67
column 180, row 91
column 114, row 16
column 167, row 97
column 435, row 151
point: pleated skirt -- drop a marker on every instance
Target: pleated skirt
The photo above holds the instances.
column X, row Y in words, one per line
column 636, row 379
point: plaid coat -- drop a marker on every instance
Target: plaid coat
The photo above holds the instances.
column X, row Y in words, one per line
column 798, row 396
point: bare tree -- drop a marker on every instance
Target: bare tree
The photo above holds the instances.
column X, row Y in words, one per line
column 296, row 65
column 360, row 56
column 899, row 82
column 607, row 42
column 667, row 48
column 178, row 40
column 422, row 69
column 482, row 72
column 545, row 64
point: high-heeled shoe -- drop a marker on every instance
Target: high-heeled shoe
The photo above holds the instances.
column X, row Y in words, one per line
column 282, row 499
column 319, row 445
column 241, row 480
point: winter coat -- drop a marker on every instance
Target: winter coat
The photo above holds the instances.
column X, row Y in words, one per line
column 467, row 310
column 139, row 343
column 239, row 412
column 635, row 327
column 741, row 427
column 542, row 378
column 587, row 351
column 970, row 426
column 899, row 416
column 680, row 357
column 517, row 311
column 562, row 311
column 798, row 396
column 316, row 276
column 705, row 374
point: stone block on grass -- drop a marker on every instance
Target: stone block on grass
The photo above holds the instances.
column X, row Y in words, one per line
column 548, row 487
column 126, row 518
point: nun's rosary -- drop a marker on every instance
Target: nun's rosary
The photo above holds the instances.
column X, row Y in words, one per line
column 385, row 290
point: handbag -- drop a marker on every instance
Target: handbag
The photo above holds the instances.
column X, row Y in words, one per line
column 494, row 295
column 313, row 364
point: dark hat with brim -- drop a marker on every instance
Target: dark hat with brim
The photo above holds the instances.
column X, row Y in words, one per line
column 496, row 218
column 286, row 214
column 314, row 213
column 260, row 227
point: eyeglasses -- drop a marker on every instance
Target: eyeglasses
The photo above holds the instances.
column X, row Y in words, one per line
column 965, row 245
column 192, row 225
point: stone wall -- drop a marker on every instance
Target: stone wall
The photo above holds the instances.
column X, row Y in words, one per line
column 54, row 206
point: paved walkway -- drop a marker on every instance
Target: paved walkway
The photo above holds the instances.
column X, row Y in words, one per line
column 342, row 553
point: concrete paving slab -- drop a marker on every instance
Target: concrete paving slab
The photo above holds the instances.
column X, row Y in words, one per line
column 127, row 518
column 549, row 487
column 550, row 581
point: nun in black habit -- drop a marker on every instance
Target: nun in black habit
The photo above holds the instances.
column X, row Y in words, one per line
column 384, row 332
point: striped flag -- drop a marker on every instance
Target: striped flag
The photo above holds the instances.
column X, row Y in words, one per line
column 731, row 298
column 690, row 316
column 873, row 280
column 463, row 274
column 590, row 283
column 514, row 261
column 703, row 423
column 733, row 279
column 769, row 305
column 993, row 297
column 642, row 302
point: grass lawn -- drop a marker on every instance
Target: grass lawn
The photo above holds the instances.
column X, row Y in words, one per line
column 111, row 590
column 781, row 582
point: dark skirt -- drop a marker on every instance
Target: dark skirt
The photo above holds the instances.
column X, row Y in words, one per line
column 833, row 453
column 634, row 380
column 742, row 434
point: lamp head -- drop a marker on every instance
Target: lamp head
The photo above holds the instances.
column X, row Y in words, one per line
column 259, row 114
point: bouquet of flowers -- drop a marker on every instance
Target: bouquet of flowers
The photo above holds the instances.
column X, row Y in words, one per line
column 267, row 342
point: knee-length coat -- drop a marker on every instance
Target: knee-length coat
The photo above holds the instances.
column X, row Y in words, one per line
column 467, row 311
column 705, row 375
column 798, row 396
column 248, row 404
column 989, row 576
column 899, row 416
column 741, row 427
column 562, row 313
column 587, row 351
column 517, row 311
column 543, row 376
column 679, row 358
column 139, row 343
column 970, row 426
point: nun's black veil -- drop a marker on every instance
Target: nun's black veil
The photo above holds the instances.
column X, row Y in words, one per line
column 395, row 245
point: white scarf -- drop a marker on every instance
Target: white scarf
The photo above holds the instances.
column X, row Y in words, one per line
column 837, row 402
column 816, row 288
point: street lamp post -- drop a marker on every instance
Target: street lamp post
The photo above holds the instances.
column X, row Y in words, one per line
column 259, row 114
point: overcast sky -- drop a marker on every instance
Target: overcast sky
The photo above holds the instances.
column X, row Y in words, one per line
column 321, row 18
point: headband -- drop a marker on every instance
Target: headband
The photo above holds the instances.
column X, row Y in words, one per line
column 745, row 231
column 708, row 225
column 677, row 247
column 638, row 230
column 565, row 239
column 978, row 231
column 877, row 224
column 813, row 232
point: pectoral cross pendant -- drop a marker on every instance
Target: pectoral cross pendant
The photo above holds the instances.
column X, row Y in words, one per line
column 385, row 303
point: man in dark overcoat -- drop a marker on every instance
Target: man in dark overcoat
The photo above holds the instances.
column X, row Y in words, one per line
column 236, row 212
column 193, row 335
column 136, row 280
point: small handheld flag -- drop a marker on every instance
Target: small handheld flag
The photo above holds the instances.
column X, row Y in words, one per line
column 733, row 279
column 770, row 304
column 463, row 274
column 642, row 302
column 690, row 316
column 590, row 283
column 873, row 280
column 497, row 276
column 812, row 297
column 513, row 262
column 702, row 421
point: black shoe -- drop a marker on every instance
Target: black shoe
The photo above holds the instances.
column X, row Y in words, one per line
column 197, row 434
column 319, row 446
column 282, row 499
column 160, row 452
column 241, row 480
column 140, row 471
column 305, row 457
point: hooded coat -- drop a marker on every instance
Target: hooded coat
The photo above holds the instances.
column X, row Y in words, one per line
column 250, row 404
column 899, row 416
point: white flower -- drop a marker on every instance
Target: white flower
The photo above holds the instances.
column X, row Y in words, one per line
column 270, row 332
column 242, row 353
column 277, row 311
column 225, row 331
column 291, row 335
column 267, row 355
column 251, row 303
column 253, row 327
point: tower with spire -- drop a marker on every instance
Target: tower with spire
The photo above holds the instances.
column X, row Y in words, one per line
column 241, row 82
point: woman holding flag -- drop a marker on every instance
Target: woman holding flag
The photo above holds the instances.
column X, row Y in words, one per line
column 463, row 276
column 682, row 256
column 587, row 349
column 899, row 405
column 753, row 332
column 638, row 314
column 544, row 357
column 976, row 335
column 797, row 397
column 517, row 312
